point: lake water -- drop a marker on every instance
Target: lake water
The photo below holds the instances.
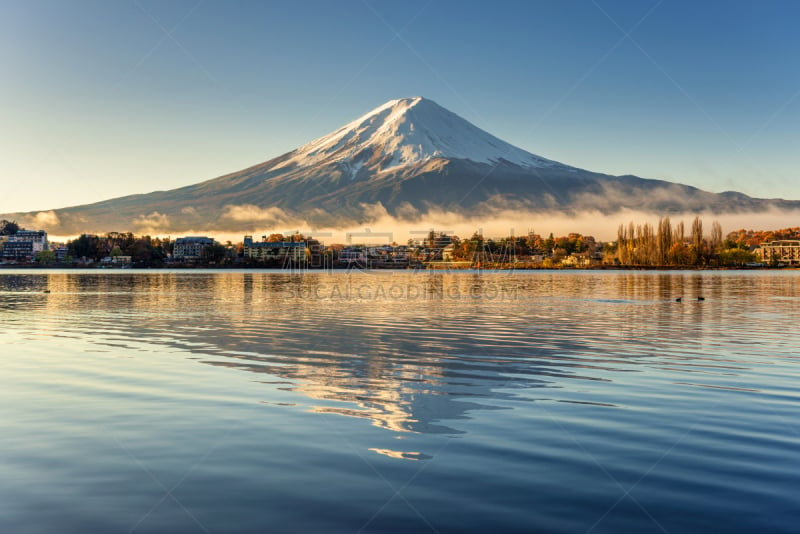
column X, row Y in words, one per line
column 268, row 401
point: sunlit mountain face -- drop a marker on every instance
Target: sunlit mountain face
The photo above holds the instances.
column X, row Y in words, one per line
column 407, row 159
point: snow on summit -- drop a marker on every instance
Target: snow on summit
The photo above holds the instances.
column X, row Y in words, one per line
column 409, row 159
column 406, row 132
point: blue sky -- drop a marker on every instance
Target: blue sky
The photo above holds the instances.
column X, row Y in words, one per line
column 105, row 98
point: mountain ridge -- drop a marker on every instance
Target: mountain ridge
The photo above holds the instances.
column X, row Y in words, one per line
column 407, row 158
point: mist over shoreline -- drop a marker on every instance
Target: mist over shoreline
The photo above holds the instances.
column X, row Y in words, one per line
column 381, row 227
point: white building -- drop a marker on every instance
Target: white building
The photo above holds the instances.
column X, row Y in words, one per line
column 278, row 251
column 24, row 244
column 786, row 251
column 191, row 248
column 37, row 237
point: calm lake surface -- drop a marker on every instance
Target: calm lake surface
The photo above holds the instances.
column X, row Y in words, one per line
column 268, row 401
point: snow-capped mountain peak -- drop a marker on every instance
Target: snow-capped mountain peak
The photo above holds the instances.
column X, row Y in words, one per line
column 406, row 132
column 409, row 159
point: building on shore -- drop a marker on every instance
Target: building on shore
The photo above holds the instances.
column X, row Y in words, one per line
column 191, row 248
column 117, row 260
column 306, row 252
column 577, row 259
column 61, row 252
column 24, row 245
column 353, row 256
column 786, row 251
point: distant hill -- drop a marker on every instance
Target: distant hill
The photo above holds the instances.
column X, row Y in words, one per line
column 410, row 157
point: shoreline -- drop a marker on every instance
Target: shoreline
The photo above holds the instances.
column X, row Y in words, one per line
column 297, row 269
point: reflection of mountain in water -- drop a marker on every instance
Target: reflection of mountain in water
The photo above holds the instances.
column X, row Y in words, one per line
column 409, row 364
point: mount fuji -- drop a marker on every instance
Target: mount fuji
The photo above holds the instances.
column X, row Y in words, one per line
column 407, row 158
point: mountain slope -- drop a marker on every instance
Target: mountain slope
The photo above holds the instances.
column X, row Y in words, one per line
column 408, row 157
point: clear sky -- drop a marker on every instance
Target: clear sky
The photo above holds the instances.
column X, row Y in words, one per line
column 103, row 98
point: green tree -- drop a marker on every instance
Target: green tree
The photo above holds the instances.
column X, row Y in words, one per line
column 736, row 257
column 45, row 257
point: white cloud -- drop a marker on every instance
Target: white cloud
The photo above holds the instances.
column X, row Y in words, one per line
column 153, row 223
column 46, row 219
column 249, row 213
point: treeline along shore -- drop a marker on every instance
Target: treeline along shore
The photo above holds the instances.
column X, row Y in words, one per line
column 665, row 245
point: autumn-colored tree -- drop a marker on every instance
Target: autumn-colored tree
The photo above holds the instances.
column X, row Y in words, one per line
column 589, row 244
column 647, row 245
column 624, row 245
column 715, row 241
column 747, row 239
column 548, row 243
column 664, row 240
column 679, row 234
column 678, row 254
column 610, row 252
column 559, row 254
column 534, row 242
column 697, row 253
column 473, row 248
